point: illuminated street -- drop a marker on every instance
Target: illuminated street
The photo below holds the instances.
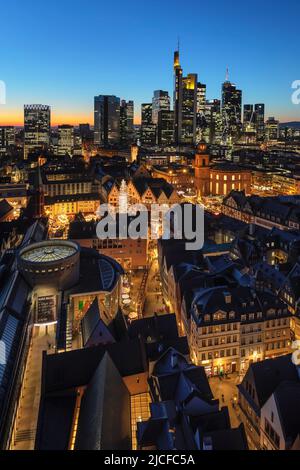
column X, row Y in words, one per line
column 153, row 295
column 228, row 388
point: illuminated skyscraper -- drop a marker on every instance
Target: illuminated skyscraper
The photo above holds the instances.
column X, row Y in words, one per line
column 148, row 129
column 231, row 111
column 126, row 122
column 160, row 101
column 254, row 120
column 249, row 117
column 36, row 127
column 213, row 130
column 165, row 127
column 106, row 120
column 7, row 138
column 177, row 98
column 65, row 140
column 201, row 103
column 260, row 121
column 185, row 104
column 272, row 129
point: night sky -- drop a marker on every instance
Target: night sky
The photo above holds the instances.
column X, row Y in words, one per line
column 64, row 52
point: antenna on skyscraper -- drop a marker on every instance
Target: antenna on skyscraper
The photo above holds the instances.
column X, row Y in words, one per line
column 227, row 74
column 178, row 44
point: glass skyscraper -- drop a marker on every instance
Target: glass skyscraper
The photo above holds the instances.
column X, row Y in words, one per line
column 231, row 111
column 106, row 120
column 36, row 127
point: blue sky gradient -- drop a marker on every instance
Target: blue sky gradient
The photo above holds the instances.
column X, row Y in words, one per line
column 64, row 52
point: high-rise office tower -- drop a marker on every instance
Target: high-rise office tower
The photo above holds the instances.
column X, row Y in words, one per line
column 165, row 127
column 160, row 101
column 200, row 118
column 231, row 111
column 260, row 121
column 7, row 138
column 185, row 104
column 65, row 140
column 177, row 97
column 106, row 120
column 36, row 127
column 189, row 109
column 272, row 129
column 148, row 129
column 213, row 130
column 248, row 118
column 126, row 122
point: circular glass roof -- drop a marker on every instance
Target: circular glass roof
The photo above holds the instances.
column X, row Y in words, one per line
column 48, row 253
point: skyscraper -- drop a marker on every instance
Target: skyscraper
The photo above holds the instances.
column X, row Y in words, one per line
column 7, row 138
column 177, row 97
column 213, row 130
column 260, row 121
column 36, row 127
column 106, row 120
column 249, row 117
column 189, row 109
column 272, row 129
column 231, row 111
column 126, row 122
column 165, row 127
column 148, row 129
column 200, row 118
column 65, row 140
column 160, row 101
column 185, row 104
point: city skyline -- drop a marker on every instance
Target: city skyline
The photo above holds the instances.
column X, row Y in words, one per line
column 260, row 62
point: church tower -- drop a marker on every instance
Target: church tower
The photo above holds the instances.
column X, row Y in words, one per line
column 202, row 169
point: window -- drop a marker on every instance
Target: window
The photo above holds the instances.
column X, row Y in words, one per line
column 219, row 316
column 272, row 434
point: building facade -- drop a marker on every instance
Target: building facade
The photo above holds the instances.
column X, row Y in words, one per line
column 106, row 120
column 36, row 127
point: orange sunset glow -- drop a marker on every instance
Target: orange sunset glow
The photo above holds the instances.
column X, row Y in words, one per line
column 11, row 117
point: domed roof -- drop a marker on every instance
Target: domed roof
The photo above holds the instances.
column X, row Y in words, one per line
column 49, row 251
